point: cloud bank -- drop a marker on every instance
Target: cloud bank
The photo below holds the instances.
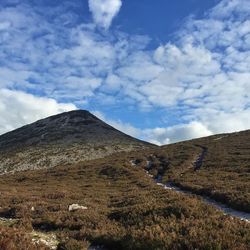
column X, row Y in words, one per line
column 104, row 11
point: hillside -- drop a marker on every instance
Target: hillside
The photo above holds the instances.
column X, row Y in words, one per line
column 216, row 166
column 66, row 138
column 225, row 171
column 82, row 162
column 123, row 208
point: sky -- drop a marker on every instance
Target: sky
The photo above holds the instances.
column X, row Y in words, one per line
column 162, row 71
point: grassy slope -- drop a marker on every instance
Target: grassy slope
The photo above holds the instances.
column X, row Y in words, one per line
column 225, row 172
column 126, row 210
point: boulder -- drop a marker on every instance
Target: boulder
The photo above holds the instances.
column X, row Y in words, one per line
column 74, row 207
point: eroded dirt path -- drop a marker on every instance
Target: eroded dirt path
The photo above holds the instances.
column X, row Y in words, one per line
column 199, row 160
column 197, row 165
column 224, row 208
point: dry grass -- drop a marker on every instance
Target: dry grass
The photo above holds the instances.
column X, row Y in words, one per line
column 126, row 210
column 16, row 239
column 225, row 172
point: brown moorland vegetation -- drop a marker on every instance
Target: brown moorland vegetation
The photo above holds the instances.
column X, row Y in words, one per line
column 16, row 239
column 224, row 174
column 125, row 209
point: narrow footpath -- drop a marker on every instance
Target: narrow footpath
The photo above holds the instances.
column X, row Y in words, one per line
column 197, row 165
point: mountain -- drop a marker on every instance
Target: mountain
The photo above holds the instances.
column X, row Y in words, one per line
column 111, row 203
column 216, row 166
column 120, row 192
column 66, row 138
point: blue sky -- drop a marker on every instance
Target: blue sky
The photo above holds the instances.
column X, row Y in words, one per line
column 163, row 71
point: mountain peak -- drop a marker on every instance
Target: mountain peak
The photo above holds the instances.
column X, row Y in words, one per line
column 72, row 118
column 78, row 126
column 84, row 114
column 62, row 139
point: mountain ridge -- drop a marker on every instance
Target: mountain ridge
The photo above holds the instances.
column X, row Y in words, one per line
column 64, row 138
column 66, row 121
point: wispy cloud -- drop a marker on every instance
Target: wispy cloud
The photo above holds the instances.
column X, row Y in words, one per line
column 104, row 11
column 203, row 75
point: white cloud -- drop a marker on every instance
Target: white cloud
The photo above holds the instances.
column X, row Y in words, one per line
column 59, row 66
column 18, row 108
column 4, row 25
column 161, row 136
column 139, row 67
column 228, row 8
column 225, row 122
column 206, row 70
column 104, row 11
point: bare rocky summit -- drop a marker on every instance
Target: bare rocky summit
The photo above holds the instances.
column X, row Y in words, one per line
column 66, row 138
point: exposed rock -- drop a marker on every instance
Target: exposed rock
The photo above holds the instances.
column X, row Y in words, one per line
column 48, row 239
column 74, row 207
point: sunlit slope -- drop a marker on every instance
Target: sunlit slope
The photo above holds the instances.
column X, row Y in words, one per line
column 217, row 166
column 124, row 209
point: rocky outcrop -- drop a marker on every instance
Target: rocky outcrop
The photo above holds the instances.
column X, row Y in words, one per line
column 74, row 207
